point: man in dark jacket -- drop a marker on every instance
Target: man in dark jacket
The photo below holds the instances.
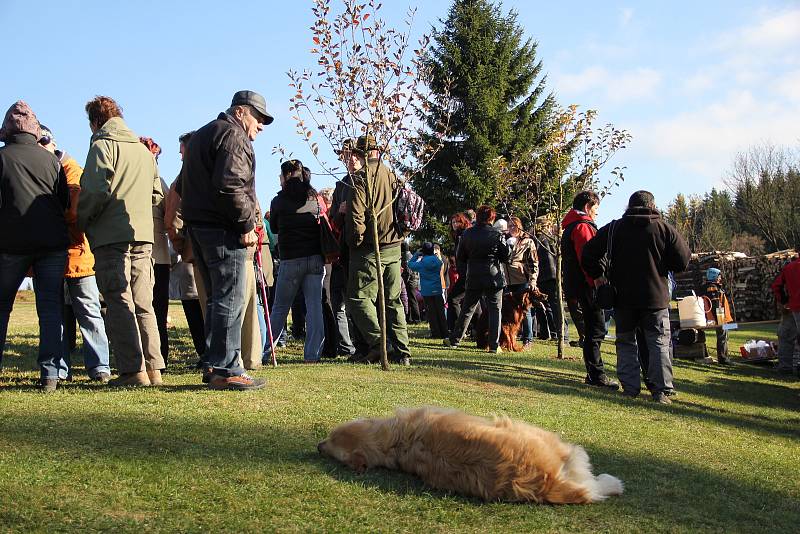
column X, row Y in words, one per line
column 481, row 251
column 33, row 197
column 338, row 285
column 217, row 187
column 643, row 249
column 362, row 285
column 550, row 317
column 579, row 228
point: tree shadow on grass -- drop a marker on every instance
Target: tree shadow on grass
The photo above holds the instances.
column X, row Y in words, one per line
column 557, row 382
column 660, row 494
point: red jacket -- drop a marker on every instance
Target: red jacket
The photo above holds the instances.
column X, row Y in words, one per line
column 581, row 234
column 789, row 280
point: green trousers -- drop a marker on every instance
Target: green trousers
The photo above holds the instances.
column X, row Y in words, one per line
column 362, row 295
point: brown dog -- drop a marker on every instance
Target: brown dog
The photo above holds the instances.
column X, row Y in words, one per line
column 495, row 460
column 515, row 306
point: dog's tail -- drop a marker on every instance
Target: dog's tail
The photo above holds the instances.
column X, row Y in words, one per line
column 578, row 470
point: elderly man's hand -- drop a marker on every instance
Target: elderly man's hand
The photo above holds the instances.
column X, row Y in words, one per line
column 249, row 239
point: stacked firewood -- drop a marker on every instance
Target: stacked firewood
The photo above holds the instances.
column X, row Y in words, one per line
column 747, row 280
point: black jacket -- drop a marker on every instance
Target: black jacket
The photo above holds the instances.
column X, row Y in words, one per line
column 295, row 218
column 217, row 180
column 546, row 250
column 644, row 249
column 481, row 250
column 33, row 197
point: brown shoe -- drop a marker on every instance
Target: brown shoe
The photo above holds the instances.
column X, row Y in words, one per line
column 241, row 382
column 155, row 377
column 126, row 380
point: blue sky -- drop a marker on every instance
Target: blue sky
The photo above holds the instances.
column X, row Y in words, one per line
column 694, row 82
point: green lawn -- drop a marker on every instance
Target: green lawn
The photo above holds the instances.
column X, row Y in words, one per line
column 725, row 457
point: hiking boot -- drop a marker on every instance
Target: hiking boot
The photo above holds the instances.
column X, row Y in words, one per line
column 602, row 381
column 575, row 344
column 241, row 382
column 630, row 394
column 450, row 343
column 130, row 380
column 661, row 398
column 724, row 361
column 155, row 377
column 48, row 385
column 207, row 372
column 103, row 378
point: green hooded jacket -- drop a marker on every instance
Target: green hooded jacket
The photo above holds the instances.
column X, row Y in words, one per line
column 358, row 231
column 119, row 186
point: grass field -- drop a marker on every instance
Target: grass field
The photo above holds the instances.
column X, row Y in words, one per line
column 724, row 457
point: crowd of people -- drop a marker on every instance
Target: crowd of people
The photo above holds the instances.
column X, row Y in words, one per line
column 101, row 243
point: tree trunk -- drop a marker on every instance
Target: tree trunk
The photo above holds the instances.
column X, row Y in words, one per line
column 369, row 188
column 560, row 292
column 381, row 294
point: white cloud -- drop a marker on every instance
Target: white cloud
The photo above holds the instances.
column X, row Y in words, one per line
column 625, row 16
column 698, row 83
column 640, row 83
column 705, row 140
column 788, row 86
column 771, row 31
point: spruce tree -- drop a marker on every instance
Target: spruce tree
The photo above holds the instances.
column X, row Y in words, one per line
column 496, row 97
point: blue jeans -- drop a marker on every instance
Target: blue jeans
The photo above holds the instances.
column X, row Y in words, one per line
column 527, row 321
column 294, row 274
column 220, row 258
column 48, row 273
column 86, row 304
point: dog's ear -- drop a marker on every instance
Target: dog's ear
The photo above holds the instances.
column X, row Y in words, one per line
column 357, row 461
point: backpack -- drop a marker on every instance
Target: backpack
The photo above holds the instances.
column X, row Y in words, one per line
column 409, row 209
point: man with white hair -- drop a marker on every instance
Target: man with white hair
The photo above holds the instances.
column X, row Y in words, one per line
column 217, row 188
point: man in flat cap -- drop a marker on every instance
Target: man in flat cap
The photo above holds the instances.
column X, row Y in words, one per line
column 362, row 288
column 217, row 187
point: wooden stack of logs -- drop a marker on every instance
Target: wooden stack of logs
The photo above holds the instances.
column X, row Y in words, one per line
column 747, row 280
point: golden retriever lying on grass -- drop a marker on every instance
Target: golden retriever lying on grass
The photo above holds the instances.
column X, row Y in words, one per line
column 495, row 460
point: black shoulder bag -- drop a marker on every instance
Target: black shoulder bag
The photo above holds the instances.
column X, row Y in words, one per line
column 606, row 294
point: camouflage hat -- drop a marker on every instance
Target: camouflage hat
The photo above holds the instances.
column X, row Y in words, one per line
column 365, row 143
column 347, row 145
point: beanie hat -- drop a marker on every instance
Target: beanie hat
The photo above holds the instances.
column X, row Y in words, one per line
column 45, row 135
column 712, row 274
column 19, row 119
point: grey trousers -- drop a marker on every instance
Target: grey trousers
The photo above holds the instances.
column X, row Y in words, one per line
column 787, row 341
column 125, row 278
column 654, row 324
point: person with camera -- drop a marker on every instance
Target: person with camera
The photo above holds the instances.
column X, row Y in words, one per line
column 641, row 249
column 578, row 229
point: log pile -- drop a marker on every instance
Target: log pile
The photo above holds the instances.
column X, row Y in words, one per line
column 747, row 280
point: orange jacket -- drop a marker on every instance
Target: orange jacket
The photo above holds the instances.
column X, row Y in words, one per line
column 80, row 260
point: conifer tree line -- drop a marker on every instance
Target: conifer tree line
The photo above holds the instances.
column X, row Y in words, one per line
column 498, row 99
column 756, row 211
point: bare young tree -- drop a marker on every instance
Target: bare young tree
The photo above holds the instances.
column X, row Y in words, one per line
column 368, row 81
column 544, row 182
column 765, row 181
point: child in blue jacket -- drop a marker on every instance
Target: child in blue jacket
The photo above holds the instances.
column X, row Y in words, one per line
column 429, row 267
